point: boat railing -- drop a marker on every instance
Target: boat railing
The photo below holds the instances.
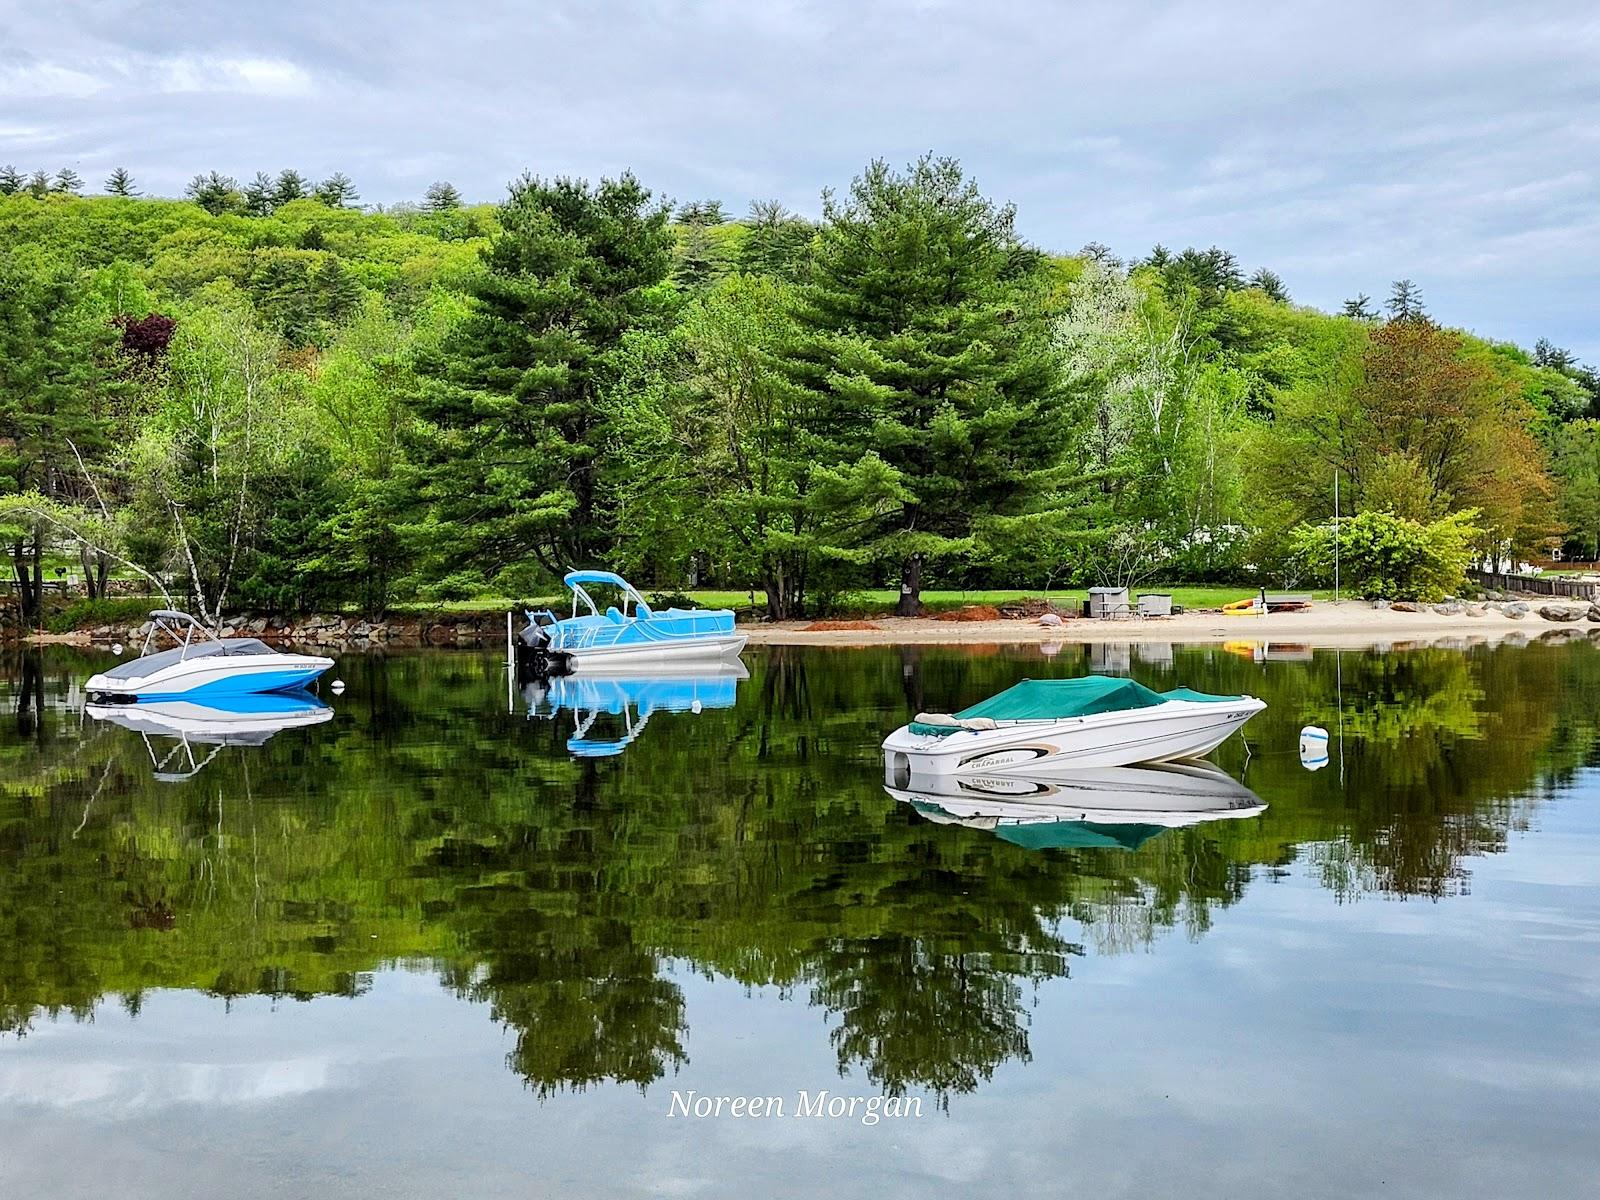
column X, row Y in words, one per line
column 163, row 620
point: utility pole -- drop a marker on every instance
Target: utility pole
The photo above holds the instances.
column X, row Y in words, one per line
column 1336, row 535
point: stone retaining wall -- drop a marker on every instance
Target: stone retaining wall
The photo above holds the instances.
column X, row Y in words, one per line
column 436, row 629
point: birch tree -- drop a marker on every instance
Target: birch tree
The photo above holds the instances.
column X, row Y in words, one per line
column 222, row 422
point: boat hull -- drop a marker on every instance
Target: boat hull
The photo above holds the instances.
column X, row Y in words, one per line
column 215, row 676
column 629, row 655
column 223, row 724
column 1161, row 733
column 1171, row 794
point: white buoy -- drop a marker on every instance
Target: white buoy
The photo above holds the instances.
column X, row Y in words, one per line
column 116, row 648
column 1313, row 747
column 695, row 707
column 337, row 687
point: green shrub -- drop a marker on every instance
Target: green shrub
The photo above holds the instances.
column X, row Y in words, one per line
column 1385, row 557
column 88, row 614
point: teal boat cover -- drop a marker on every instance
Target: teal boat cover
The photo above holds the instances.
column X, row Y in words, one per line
column 1057, row 699
column 1078, row 835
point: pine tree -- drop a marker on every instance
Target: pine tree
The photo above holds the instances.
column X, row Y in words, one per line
column 38, row 185
column 777, row 242
column 337, row 292
column 1405, row 302
column 260, row 196
column 1159, row 257
column 1271, row 283
column 700, row 259
column 291, row 186
column 1547, row 354
column 214, row 192
column 701, row 212
column 67, row 182
column 337, row 191
column 120, row 183
column 1360, row 308
column 441, row 197
column 914, row 341
column 509, row 468
column 12, row 180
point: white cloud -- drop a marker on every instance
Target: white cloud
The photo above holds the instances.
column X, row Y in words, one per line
column 242, row 76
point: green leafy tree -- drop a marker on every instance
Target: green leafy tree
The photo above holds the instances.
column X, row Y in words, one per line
column 509, row 465
column 120, row 183
column 1576, row 463
column 54, row 384
column 1383, row 556
column 225, row 422
column 918, row 348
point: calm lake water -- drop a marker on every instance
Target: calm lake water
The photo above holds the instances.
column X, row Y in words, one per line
column 419, row 947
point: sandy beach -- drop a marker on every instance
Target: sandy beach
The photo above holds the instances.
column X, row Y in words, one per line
column 1350, row 623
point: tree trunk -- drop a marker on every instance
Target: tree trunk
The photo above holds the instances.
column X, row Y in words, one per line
column 910, row 587
column 779, row 601
column 96, row 566
column 30, row 579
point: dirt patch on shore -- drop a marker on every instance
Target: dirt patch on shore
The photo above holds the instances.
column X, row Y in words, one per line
column 838, row 627
column 970, row 612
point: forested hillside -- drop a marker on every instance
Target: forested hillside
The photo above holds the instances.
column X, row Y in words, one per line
column 263, row 397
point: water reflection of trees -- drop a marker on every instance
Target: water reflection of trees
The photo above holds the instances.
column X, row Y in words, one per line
column 423, row 826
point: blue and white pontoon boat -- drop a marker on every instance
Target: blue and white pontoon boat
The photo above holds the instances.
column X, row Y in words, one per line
column 633, row 635
column 202, row 666
column 629, row 700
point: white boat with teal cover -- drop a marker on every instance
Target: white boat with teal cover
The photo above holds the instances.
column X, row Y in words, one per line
column 203, row 666
column 1049, row 725
column 1096, row 807
column 634, row 634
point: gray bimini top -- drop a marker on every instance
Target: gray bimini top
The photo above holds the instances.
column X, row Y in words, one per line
column 150, row 663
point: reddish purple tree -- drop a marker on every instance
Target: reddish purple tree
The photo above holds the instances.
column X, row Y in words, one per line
column 145, row 338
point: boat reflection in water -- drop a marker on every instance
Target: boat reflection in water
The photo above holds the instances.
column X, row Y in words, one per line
column 633, row 698
column 1109, row 806
column 182, row 736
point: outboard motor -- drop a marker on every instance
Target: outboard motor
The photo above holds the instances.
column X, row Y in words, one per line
column 535, row 658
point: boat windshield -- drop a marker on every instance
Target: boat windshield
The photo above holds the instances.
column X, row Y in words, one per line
column 139, row 668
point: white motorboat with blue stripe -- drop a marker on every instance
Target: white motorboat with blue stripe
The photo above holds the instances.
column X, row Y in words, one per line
column 632, row 634
column 202, row 666
column 173, row 729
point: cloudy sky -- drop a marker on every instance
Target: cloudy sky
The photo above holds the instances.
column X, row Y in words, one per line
column 1342, row 144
